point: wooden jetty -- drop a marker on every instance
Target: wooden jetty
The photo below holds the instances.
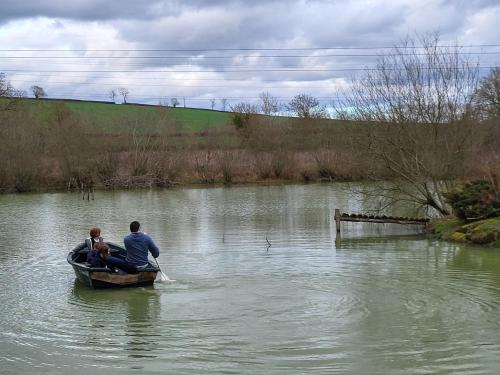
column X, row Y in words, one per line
column 361, row 218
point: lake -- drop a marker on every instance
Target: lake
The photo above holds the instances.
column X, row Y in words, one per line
column 383, row 299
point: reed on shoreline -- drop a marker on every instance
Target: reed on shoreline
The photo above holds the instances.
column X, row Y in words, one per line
column 62, row 151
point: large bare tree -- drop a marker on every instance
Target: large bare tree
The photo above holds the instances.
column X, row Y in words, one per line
column 38, row 92
column 6, row 88
column 488, row 95
column 9, row 92
column 306, row 106
column 174, row 102
column 416, row 101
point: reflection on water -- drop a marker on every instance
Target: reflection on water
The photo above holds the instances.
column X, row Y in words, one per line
column 130, row 315
column 381, row 300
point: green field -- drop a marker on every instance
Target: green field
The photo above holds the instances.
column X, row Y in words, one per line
column 115, row 118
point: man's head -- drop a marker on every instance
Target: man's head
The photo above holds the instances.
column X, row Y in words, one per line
column 134, row 226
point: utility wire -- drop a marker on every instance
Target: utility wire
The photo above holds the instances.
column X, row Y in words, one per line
column 249, row 56
column 246, row 49
column 174, row 79
column 190, row 98
column 170, row 85
column 222, row 71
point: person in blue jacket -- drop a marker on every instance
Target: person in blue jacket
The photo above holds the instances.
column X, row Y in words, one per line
column 137, row 244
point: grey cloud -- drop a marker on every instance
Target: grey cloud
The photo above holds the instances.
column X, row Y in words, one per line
column 228, row 27
column 108, row 9
column 199, row 24
column 278, row 24
column 76, row 9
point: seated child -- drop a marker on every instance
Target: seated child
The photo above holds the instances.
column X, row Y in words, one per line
column 97, row 256
column 95, row 237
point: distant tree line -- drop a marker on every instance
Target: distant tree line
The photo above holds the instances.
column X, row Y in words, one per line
column 420, row 120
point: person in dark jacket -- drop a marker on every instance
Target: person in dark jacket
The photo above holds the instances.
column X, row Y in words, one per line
column 97, row 256
column 137, row 244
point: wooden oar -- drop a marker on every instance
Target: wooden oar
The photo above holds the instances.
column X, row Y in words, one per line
column 163, row 277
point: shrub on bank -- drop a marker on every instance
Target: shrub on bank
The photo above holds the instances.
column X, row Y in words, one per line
column 481, row 232
column 475, row 201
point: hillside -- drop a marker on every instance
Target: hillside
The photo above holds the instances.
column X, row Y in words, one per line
column 115, row 118
column 133, row 146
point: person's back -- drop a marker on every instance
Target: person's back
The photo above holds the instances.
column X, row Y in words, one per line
column 138, row 244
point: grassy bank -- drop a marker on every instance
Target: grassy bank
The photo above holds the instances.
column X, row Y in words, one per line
column 482, row 232
column 50, row 145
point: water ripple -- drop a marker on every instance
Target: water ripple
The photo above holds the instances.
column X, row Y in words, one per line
column 366, row 304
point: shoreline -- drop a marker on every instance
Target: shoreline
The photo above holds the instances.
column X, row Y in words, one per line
column 187, row 184
column 484, row 232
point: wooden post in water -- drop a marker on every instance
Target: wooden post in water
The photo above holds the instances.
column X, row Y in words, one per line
column 337, row 220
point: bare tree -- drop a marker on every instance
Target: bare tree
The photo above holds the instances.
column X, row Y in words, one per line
column 174, row 102
column 306, row 106
column 269, row 104
column 223, row 103
column 6, row 88
column 242, row 113
column 19, row 93
column 212, row 104
column 418, row 82
column 417, row 100
column 487, row 98
column 38, row 92
column 163, row 102
column 247, row 108
column 124, row 92
column 112, row 95
column 9, row 92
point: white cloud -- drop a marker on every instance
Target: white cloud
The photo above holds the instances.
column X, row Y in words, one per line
column 100, row 25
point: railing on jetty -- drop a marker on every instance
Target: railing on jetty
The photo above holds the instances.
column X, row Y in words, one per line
column 360, row 218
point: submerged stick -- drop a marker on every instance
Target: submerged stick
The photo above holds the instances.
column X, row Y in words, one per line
column 268, row 243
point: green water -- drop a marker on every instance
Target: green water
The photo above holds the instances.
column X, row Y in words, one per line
column 382, row 300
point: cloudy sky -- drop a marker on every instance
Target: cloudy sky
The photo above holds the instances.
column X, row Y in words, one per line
column 213, row 49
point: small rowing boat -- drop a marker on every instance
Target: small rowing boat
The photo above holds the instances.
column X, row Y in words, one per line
column 104, row 277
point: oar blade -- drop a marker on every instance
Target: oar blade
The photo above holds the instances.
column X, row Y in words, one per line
column 165, row 279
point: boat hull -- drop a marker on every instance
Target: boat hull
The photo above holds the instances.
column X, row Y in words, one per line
column 100, row 278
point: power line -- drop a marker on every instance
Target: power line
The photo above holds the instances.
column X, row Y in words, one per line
column 54, row 67
column 190, row 98
column 223, row 71
column 172, row 79
column 248, row 56
column 246, row 85
column 248, row 49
